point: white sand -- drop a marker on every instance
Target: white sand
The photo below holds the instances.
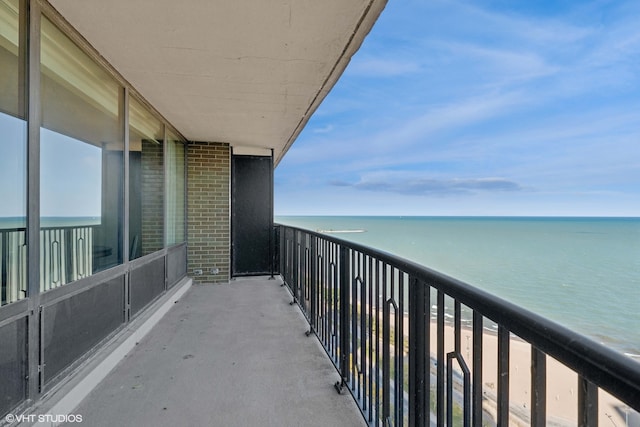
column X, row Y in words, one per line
column 562, row 396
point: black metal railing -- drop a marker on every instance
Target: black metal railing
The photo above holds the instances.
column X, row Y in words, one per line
column 66, row 254
column 394, row 331
column 13, row 265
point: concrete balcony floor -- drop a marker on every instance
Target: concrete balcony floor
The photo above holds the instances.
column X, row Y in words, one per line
column 232, row 354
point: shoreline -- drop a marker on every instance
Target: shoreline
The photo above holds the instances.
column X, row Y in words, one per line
column 499, row 259
column 632, row 352
column 562, row 382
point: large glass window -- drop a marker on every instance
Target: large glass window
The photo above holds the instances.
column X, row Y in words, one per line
column 82, row 168
column 175, row 190
column 146, row 181
column 13, row 132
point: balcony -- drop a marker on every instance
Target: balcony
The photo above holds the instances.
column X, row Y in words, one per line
column 233, row 354
column 411, row 346
column 415, row 347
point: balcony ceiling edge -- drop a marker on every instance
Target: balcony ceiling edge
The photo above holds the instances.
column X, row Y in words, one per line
column 249, row 73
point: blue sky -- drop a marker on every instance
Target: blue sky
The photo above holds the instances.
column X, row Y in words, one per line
column 70, row 175
column 478, row 108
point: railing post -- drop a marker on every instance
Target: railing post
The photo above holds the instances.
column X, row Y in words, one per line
column 386, row 351
column 313, row 283
column 477, row 368
column 587, row 403
column 503, row 375
column 273, row 242
column 343, row 327
column 4, row 257
column 284, row 257
column 418, row 358
column 538, row 388
column 440, row 374
column 295, row 274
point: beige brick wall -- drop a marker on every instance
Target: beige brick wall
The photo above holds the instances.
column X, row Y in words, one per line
column 209, row 232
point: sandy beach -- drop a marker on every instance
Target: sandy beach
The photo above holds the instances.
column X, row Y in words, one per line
column 562, row 382
column 562, row 396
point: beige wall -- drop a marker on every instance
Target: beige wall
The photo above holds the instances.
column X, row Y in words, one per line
column 209, row 232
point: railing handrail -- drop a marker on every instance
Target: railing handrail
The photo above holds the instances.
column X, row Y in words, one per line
column 48, row 228
column 603, row 366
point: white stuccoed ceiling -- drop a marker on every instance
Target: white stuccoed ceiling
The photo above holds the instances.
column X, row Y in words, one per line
column 245, row 72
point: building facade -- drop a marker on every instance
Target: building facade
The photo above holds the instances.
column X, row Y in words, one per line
column 105, row 205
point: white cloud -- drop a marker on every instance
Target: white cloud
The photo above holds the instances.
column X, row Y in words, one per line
column 464, row 93
column 370, row 66
column 424, row 185
column 324, row 129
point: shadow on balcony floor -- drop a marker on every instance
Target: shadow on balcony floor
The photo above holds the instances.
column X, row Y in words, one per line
column 225, row 355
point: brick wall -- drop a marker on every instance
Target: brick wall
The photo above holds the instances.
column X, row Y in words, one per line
column 152, row 197
column 208, row 195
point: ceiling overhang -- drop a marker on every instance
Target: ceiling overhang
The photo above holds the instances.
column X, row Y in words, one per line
column 248, row 73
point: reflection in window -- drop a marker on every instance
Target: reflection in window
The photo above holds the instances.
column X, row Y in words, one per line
column 13, row 166
column 81, row 161
column 175, row 190
column 146, row 181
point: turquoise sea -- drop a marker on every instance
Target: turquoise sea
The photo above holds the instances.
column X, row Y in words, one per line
column 583, row 273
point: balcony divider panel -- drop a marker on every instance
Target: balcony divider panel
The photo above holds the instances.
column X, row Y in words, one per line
column 13, row 364
column 147, row 282
column 74, row 325
column 176, row 264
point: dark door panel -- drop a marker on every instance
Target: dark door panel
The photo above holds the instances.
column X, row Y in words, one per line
column 251, row 215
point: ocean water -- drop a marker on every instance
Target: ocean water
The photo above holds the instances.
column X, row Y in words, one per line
column 583, row 273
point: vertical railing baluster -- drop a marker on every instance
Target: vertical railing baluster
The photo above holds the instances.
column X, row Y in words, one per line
column 386, row 401
column 22, row 262
column 449, row 388
column 372, row 363
column 467, row 397
column 477, row 368
column 4, row 256
column 418, row 357
column 313, row 261
column 587, row 403
column 336, row 292
column 458, row 356
column 426, row 348
column 281, row 252
column 400, row 348
column 363, row 330
column 67, row 259
column 290, row 262
column 353, row 320
column 538, row 388
column 391, row 302
column 450, row 358
column 457, row 322
column 321, row 267
column 440, row 374
column 377, row 350
column 503, row 375
column 308, row 275
column 295, row 266
column 344, row 325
